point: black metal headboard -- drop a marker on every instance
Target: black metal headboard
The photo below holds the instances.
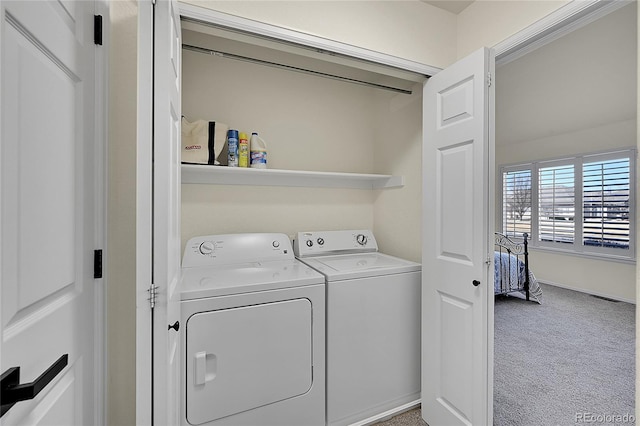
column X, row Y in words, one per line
column 521, row 252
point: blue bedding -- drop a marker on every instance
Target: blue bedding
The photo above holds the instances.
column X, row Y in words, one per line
column 509, row 276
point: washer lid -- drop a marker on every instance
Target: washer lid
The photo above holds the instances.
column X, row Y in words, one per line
column 350, row 266
column 245, row 278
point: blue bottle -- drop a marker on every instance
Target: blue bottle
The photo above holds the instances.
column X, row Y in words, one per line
column 232, row 145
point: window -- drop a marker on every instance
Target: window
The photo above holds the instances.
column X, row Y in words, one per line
column 516, row 212
column 582, row 204
column 605, row 200
column 556, row 204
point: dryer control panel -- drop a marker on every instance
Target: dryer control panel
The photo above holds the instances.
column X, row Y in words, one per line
column 319, row 243
column 227, row 249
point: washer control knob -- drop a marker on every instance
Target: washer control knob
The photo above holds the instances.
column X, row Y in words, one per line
column 309, row 243
column 320, row 241
column 207, row 247
column 361, row 239
column 275, row 244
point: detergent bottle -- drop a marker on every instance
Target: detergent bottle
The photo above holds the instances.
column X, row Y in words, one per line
column 258, row 152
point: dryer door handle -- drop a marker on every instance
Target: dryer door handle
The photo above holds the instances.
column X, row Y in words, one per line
column 200, row 368
column 205, row 368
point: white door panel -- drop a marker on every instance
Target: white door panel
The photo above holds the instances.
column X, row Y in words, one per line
column 166, row 211
column 47, row 217
column 456, row 382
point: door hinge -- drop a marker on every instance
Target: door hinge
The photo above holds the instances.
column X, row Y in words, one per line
column 488, row 261
column 97, row 29
column 153, row 295
column 489, row 79
column 97, row 263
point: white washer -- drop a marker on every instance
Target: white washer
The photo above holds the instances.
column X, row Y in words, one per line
column 373, row 325
column 254, row 333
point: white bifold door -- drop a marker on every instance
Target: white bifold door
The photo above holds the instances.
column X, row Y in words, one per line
column 158, row 220
column 457, row 283
column 166, row 211
column 47, row 213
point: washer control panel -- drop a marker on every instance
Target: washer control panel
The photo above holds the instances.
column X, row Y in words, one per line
column 212, row 250
column 318, row 243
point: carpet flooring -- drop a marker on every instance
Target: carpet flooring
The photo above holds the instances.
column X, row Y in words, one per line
column 569, row 361
column 412, row 417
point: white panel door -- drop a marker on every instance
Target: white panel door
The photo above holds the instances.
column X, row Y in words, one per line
column 457, row 292
column 166, row 212
column 47, row 197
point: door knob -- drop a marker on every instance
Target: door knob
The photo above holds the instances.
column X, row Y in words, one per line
column 476, row 283
column 11, row 391
column 175, row 326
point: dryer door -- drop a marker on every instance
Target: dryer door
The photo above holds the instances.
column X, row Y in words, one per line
column 247, row 357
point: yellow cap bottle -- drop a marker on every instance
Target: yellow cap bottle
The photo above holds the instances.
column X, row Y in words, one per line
column 243, row 150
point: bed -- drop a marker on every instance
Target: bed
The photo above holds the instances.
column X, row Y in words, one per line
column 512, row 273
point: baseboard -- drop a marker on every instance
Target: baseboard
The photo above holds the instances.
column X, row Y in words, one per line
column 388, row 414
column 582, row 290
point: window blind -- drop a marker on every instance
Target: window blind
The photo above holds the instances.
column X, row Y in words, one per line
column 606, row 203
column 583, row 204
column 556, row 204
column 516, row 203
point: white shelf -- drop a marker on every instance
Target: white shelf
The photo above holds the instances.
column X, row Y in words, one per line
column 222, row 175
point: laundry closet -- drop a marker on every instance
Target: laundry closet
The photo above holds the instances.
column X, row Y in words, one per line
column 341, row 137
column 343, row 153
column 345, row 134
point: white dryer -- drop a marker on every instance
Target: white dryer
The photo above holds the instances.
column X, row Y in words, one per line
column 254, row 333
column 373, row 325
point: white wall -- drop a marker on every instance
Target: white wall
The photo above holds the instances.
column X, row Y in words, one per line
column 488, row 22
column 398, row 150
column 309, row 123
column 576, row 95
column 121, row 213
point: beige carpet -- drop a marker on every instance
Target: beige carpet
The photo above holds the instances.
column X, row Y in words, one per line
column 408, row 418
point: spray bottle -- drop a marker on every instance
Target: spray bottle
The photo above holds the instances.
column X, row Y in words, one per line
column 243, row 151
column 232, row 145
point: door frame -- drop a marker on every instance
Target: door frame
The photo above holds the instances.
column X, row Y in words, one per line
column 559, row 22
column 144, row 211
column 102, row 8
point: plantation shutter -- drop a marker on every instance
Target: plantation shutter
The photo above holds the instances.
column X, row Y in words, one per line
column 556, row 204
column 606, row 203
column 516, row 202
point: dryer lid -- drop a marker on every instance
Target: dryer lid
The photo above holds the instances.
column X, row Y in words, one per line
column 245, row 278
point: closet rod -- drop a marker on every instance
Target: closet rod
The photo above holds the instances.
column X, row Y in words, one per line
column 291, row 68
